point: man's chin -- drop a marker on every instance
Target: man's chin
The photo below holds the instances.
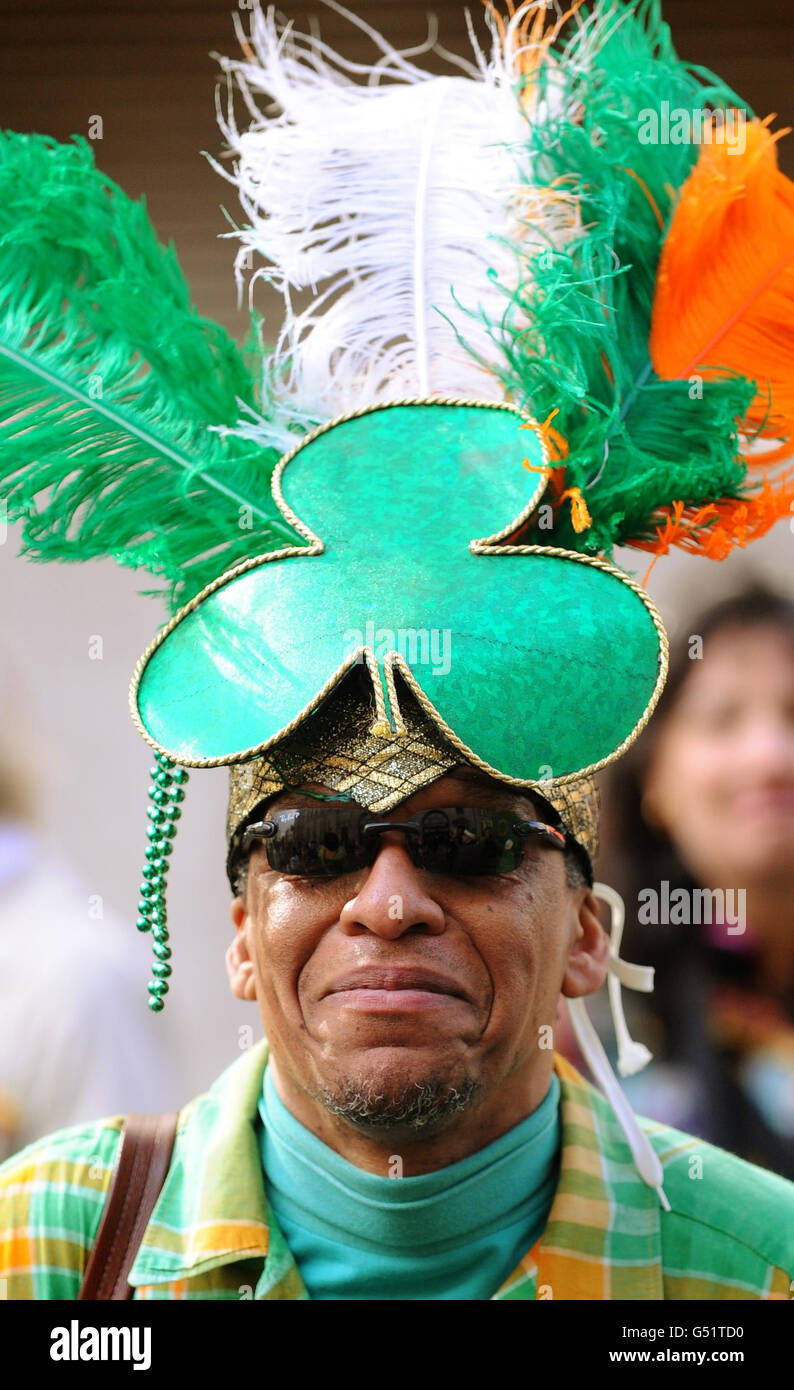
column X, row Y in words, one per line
column 414, row 1103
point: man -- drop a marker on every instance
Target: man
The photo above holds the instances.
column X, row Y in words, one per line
column 410, row 1132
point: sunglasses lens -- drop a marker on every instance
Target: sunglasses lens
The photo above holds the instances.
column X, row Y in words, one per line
column 318, row 842
column 469, row 842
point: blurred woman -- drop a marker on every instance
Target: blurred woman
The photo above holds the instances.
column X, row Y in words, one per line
column 75, row 1034
column 707, row 803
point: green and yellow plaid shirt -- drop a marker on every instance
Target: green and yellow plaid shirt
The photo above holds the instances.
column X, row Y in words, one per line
column 729, row 1235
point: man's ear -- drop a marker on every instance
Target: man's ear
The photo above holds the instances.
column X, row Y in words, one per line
column 239, row 965
column 588, row 956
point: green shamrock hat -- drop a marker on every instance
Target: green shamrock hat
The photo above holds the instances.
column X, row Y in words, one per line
column 547, row 662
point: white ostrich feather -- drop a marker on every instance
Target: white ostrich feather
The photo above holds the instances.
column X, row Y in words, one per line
column 395, row 202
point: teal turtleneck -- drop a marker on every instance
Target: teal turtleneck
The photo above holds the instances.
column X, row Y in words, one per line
column 456, row 1233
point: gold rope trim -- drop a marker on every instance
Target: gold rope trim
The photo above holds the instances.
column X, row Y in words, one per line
column 528, row 422
column 396, row 660
column 487, row 545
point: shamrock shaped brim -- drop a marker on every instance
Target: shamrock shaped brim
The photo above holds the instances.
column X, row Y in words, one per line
column 538, row 663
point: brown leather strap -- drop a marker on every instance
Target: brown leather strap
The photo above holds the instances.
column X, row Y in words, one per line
column 144, row 1156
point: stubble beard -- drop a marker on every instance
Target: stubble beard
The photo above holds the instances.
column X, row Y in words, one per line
column 417, row 1108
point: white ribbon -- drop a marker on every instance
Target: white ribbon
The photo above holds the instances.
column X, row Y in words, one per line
column 632, row 1056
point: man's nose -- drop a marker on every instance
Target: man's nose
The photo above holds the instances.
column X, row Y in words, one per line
column 392, row 899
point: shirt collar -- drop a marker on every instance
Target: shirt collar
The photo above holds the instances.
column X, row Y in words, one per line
column 602, row 1239
column 212, row 1207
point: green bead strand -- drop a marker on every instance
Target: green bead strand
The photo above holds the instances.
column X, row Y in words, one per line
column 167, row 788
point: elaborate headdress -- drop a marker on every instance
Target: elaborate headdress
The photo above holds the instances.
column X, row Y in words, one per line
column 537, row 328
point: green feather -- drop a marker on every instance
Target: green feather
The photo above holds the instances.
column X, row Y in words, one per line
column 113, row 389
column 574, row 336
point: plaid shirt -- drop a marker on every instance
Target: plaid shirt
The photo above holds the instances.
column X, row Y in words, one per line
column 729, row 1235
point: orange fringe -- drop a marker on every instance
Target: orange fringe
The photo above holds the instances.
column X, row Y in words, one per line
column 556, row 443
column 557, row 447
column 581, row 519
column 725, row 286
column 714, row 529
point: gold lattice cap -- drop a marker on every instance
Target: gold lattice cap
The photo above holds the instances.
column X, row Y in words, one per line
column 341, row 746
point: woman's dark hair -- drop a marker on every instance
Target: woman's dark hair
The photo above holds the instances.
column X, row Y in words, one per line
column 753, row 607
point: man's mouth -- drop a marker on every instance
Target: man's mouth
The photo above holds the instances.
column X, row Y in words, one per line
column 394, row 990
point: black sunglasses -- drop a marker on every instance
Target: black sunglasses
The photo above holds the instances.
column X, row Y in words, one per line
column 324, row 842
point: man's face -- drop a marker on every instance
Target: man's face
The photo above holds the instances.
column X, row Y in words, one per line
column 392, row 989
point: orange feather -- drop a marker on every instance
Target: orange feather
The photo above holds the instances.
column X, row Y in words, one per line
column 724, row 300
column 725, row 285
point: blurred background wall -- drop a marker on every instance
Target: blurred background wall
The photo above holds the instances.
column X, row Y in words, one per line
column 146, row 68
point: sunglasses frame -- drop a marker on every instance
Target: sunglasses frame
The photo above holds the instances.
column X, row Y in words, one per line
column 261, row 832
